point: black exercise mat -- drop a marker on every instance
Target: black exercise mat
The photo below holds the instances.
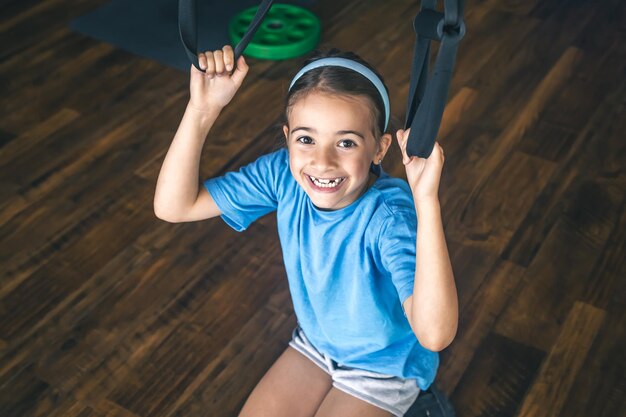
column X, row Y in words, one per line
column 149, row 28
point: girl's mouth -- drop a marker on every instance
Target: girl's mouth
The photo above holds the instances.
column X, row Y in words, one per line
column 325, row 184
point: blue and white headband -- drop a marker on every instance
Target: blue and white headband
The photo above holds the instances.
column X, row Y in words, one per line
column 355, row 66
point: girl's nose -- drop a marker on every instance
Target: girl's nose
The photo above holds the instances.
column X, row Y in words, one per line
column 325, row 158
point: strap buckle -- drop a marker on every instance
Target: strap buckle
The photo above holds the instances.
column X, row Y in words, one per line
column 434, row 25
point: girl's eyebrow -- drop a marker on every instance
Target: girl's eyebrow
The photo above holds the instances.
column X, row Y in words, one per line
column 339, row 132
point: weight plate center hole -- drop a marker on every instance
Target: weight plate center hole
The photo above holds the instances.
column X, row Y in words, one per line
column 275, row 25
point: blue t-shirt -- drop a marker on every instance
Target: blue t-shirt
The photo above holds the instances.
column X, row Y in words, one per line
column 349, row 270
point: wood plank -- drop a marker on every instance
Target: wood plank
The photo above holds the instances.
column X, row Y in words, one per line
column 548, row 141
column 25, row 394
column 504, row 144
column 219, row 310
column 490, row 218
column 536, row 56
column 608, row 290
column 511, row 70
column 82, row 144
column 37, row 19
column 600, row 386
column 69, row 320
column 131, row 326
column 104, row 409
column 455, row 111
column 32, row 66
column 483, row 51
column 476, row 318
column 497, row 378
column 23, row 307
column 35, row 136
column 36, row 101
column 558, row 373
column 173, row 364
column 75, row 410
column 598, row 121
column 6, row 138
column 471, row 266
column 507, row 80
column 15, row 7
column 225, row 383
column 560, row 273
column 64, row 220
column 522, row 8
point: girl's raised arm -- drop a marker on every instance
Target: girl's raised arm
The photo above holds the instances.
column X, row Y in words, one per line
column 433, row 308
column 179, row 196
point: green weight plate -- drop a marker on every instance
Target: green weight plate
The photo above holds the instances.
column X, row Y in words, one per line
column 286, row 32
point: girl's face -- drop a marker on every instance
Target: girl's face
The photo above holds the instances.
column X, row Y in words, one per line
column 331, row 146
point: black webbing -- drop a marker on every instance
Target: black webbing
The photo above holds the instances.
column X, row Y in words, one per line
column 428, row 95
column 187, row 28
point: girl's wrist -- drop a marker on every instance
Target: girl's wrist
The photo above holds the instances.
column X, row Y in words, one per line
column 425, row 205
column 205, row 116
column 208, row 110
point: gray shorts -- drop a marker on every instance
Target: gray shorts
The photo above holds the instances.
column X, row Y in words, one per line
column 391, row 393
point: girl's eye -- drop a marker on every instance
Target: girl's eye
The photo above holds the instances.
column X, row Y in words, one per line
column 305, row 139
column 347, row 143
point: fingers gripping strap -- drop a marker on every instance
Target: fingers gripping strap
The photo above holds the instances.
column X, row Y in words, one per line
column 354, row 66
column 188, row 30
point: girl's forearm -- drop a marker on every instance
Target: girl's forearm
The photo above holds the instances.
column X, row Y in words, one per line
column 434, row 308
column 178, row 183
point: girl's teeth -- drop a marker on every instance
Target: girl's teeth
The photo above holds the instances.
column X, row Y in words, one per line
column 325, row 183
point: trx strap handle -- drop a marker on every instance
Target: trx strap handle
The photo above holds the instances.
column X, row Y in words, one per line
column 187, row 29
column 427, row 98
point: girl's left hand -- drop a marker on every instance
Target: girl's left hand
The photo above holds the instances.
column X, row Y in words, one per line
column 423, row 174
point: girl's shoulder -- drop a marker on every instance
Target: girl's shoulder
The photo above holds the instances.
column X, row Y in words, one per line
column 276, row 168
column 395, row 211
column 394, row 195
column 278, row 157
column 275, row 165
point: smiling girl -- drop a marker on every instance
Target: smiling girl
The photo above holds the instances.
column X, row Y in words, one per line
column 374, row 296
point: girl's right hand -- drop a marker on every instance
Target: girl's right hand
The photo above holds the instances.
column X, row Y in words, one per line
column 217, row 86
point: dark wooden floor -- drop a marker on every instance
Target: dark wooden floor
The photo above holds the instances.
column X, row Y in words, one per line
column 107, row 311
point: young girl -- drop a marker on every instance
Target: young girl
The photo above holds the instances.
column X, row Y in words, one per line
column 374, row 296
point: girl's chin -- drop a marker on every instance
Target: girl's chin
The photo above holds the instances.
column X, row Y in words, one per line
column 329, row 202
column 325, row 201
column 324, row 206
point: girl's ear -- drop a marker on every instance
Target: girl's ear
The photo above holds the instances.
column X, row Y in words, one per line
column 383, row 147
column 286, row 132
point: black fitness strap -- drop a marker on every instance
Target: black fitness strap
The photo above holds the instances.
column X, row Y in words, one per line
column 427, row 98
column 189, row 34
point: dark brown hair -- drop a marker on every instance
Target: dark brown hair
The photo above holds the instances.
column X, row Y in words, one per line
column 343, row 81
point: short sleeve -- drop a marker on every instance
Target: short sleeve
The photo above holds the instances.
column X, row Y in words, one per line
column 396, row 242
column 245, row 195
